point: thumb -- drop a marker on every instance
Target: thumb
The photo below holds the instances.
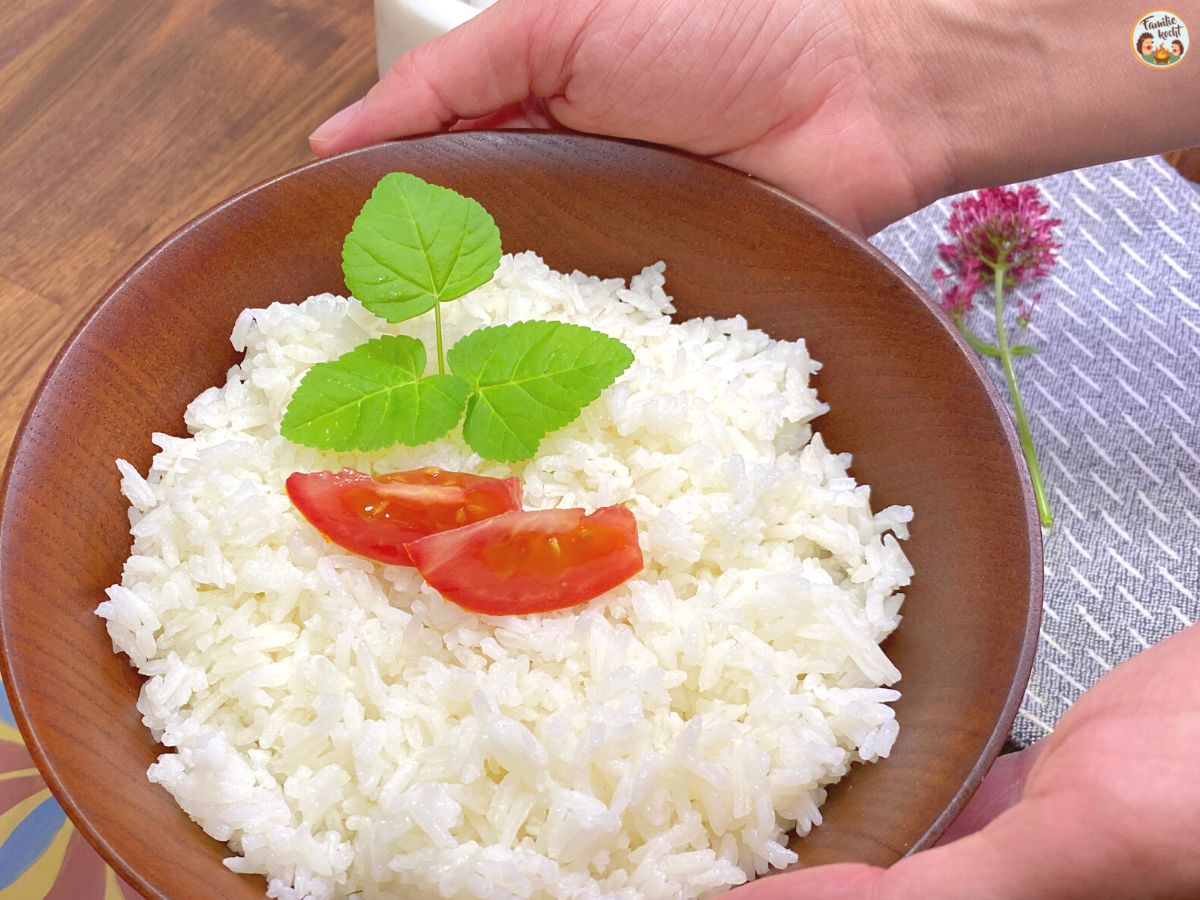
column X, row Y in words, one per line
column 1011, row 859
column 990, row 851
column 496, row 59
column 1001, row 788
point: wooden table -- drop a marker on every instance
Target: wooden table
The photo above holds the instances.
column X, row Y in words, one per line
column 122, row 119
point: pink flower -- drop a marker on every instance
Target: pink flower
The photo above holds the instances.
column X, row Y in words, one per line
column 995, row 229
column 1025, row 307
column 1001, row 238
column 957, row 295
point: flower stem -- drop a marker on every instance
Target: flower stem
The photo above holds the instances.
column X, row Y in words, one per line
column 437, row 321
column 978, row 344
column 1010, row 376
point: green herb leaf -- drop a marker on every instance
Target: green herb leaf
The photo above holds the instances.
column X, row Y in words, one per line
column 529, row 379
column 374, row 397
column 415, row 244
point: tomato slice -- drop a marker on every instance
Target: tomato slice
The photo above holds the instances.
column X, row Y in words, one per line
column 531, row 561
column 376, row 517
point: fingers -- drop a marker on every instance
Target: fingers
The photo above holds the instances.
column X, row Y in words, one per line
column 1108, row 806
column 531, row 113
column 1001, row 789
column 1015, row 858
column 489, row 63
column 1040, row 847
column 846, row 881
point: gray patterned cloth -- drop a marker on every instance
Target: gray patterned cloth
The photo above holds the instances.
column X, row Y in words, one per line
column 1114, row 404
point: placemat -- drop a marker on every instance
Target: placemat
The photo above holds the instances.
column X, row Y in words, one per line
column 1114, row 404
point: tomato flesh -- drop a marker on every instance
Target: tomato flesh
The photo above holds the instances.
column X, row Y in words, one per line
column 531, row 561
column 376, row 517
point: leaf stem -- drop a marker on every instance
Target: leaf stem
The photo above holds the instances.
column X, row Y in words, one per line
column 1010, row 376
column 437, row 321
column 978, row 344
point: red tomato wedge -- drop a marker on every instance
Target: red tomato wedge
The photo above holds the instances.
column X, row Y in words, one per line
column 376, row 517
column 532, row 561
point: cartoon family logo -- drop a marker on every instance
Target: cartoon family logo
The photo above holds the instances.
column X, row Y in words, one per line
column 1160, row 39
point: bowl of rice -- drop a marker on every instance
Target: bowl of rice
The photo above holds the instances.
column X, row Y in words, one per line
column 818, row 661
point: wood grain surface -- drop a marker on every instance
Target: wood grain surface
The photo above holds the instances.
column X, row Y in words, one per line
column 122, row 119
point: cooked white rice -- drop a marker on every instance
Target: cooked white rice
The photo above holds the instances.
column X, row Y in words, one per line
column 347, row 730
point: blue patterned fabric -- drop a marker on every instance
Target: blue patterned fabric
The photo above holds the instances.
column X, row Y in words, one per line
column 1114, row 404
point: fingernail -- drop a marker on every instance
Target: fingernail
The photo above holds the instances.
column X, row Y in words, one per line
column 333, row 126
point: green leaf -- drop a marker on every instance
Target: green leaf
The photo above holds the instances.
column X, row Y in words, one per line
column 415, row 244
column 529, row 379
column 374, row 397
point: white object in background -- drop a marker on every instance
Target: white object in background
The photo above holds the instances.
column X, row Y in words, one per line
column 401, row 25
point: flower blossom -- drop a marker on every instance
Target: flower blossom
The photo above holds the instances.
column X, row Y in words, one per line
column 996, row 229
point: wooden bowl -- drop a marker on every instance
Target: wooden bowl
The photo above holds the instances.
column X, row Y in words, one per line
column 924, row 423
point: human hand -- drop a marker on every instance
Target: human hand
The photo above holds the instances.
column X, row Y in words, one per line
column 1107, row 806
column 866, row 109
column 778, row 89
